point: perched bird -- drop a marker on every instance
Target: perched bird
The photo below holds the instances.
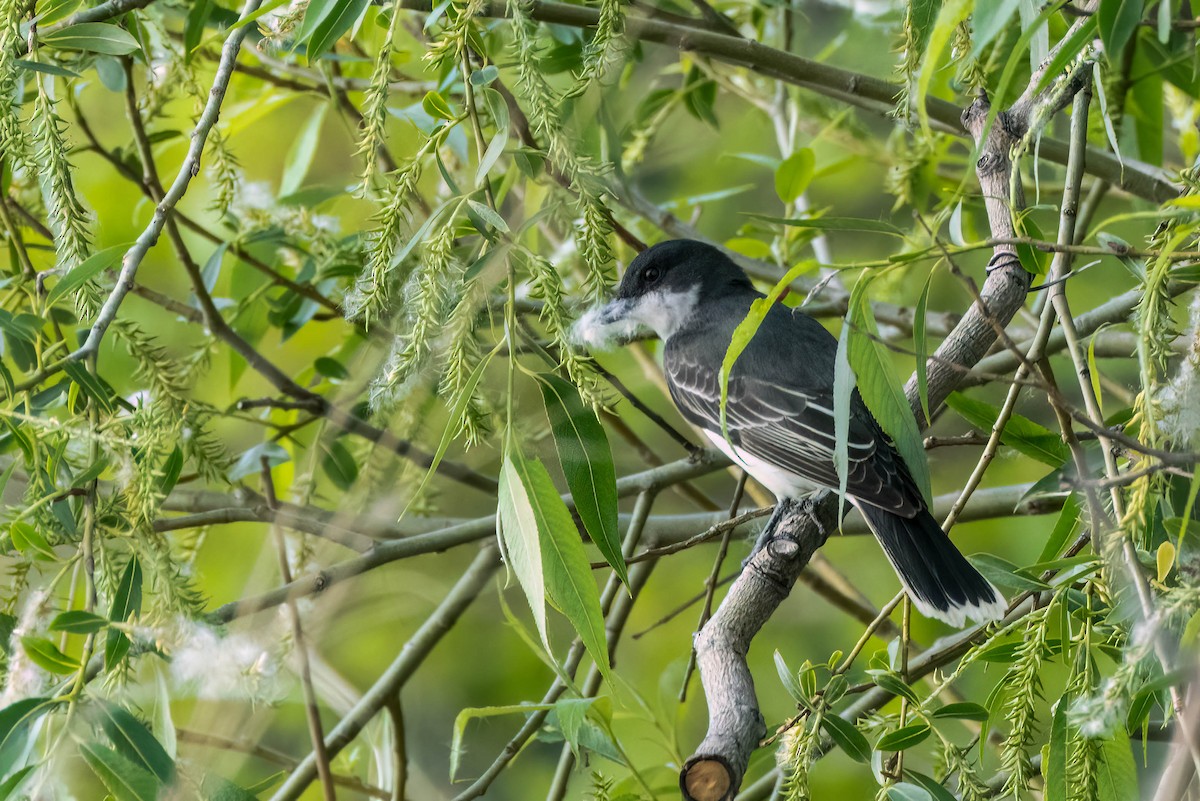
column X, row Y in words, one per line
column 779, row 411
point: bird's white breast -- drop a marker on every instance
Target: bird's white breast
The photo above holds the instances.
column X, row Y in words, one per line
column 782, row 483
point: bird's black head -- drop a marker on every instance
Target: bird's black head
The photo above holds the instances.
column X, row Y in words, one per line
column 661, row 291
column 682, row 266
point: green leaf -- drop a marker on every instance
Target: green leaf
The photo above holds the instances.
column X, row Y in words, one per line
column 835, row 224
column 46, row 69
column 300, row 154
column 1005, row 574
column 787, row 677
column 880, row 389
column 331, row 368
column 193, row 26
column 133, row 740
column 1068, row 50
column 1117, row 772
column 587, row 463
column 948, row 18
column 216, row 788
column 848, row 738
column 962, row 710
column 488, row 215
column 16, row 717
column 937, row 792
column 339, row 465
column 170, row 471
column 903, row 791
column 794, row 174
column 894, row 685
column 78, row 621
column 904, row 737
column 333, row 19
column 29, row 541
column 436, row 106
column 989, row 18
column 1068, row 520
column 1054, row 756
column 1020, row 433
column 127, row 601
column 125, row 780
column 1118, row 19
column 95, row 387
column 46, row 655
column 467, row 715
column 843, row 393
column 94, row 37
column 519, row 539
column 85, row 271
column 1033, row 260
column 748, row 327
column 9, row 785
column 568, row 575
column 921, row 348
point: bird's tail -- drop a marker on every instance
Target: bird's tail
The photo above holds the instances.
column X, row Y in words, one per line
column 940, row 581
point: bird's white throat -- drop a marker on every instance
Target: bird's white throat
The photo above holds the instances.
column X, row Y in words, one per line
column 624, row 319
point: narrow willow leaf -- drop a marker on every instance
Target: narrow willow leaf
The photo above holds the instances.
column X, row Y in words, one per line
column 78, row 621
column 127, row 601
column 881, row 390
column 988, row 20
column 1093, row 373
column 339, row 465
column 495, row 150
column 436, row 106
column 132, row 739
column 15, row 718
column 848, row 737
column 336, row 21
column 94, row 37
column 193, row 26
column 748, row 327
column 843, row 392
column 794, row 174
column 1020, row 433
column 936, row 790
column 1054, row 755
column 1069, row 49
column 1068, row 521
column 9, row 785
column 587, row 463
column 301, row 153
column 452, row 425
column 85, row 271
column 488, row 215
column 1109, row 129
column 1193, row 490
column 895, row 685
column 1117, row 780
column 921, row 347
column 125, row 780
column 903, row 791
column 1118, row 19
column 569, row 583
column 835, row 224
column 951, row 14
column 29, row 541
column 519, row 539
column 961, row 710
column 46, row 655
column 787, row 677
column 467, row 715
column 904, row 737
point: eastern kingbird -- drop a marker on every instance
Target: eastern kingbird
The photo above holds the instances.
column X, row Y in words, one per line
column 779, row 411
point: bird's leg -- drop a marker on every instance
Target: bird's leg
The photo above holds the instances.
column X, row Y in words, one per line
column 810, row 511
column 768, row 531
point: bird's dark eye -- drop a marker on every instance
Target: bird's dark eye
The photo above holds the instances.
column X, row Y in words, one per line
column 650, row 275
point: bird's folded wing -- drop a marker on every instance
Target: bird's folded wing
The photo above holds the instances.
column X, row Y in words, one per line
column 793, row 429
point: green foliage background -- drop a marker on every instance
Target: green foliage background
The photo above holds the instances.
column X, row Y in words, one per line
column 343, row 267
